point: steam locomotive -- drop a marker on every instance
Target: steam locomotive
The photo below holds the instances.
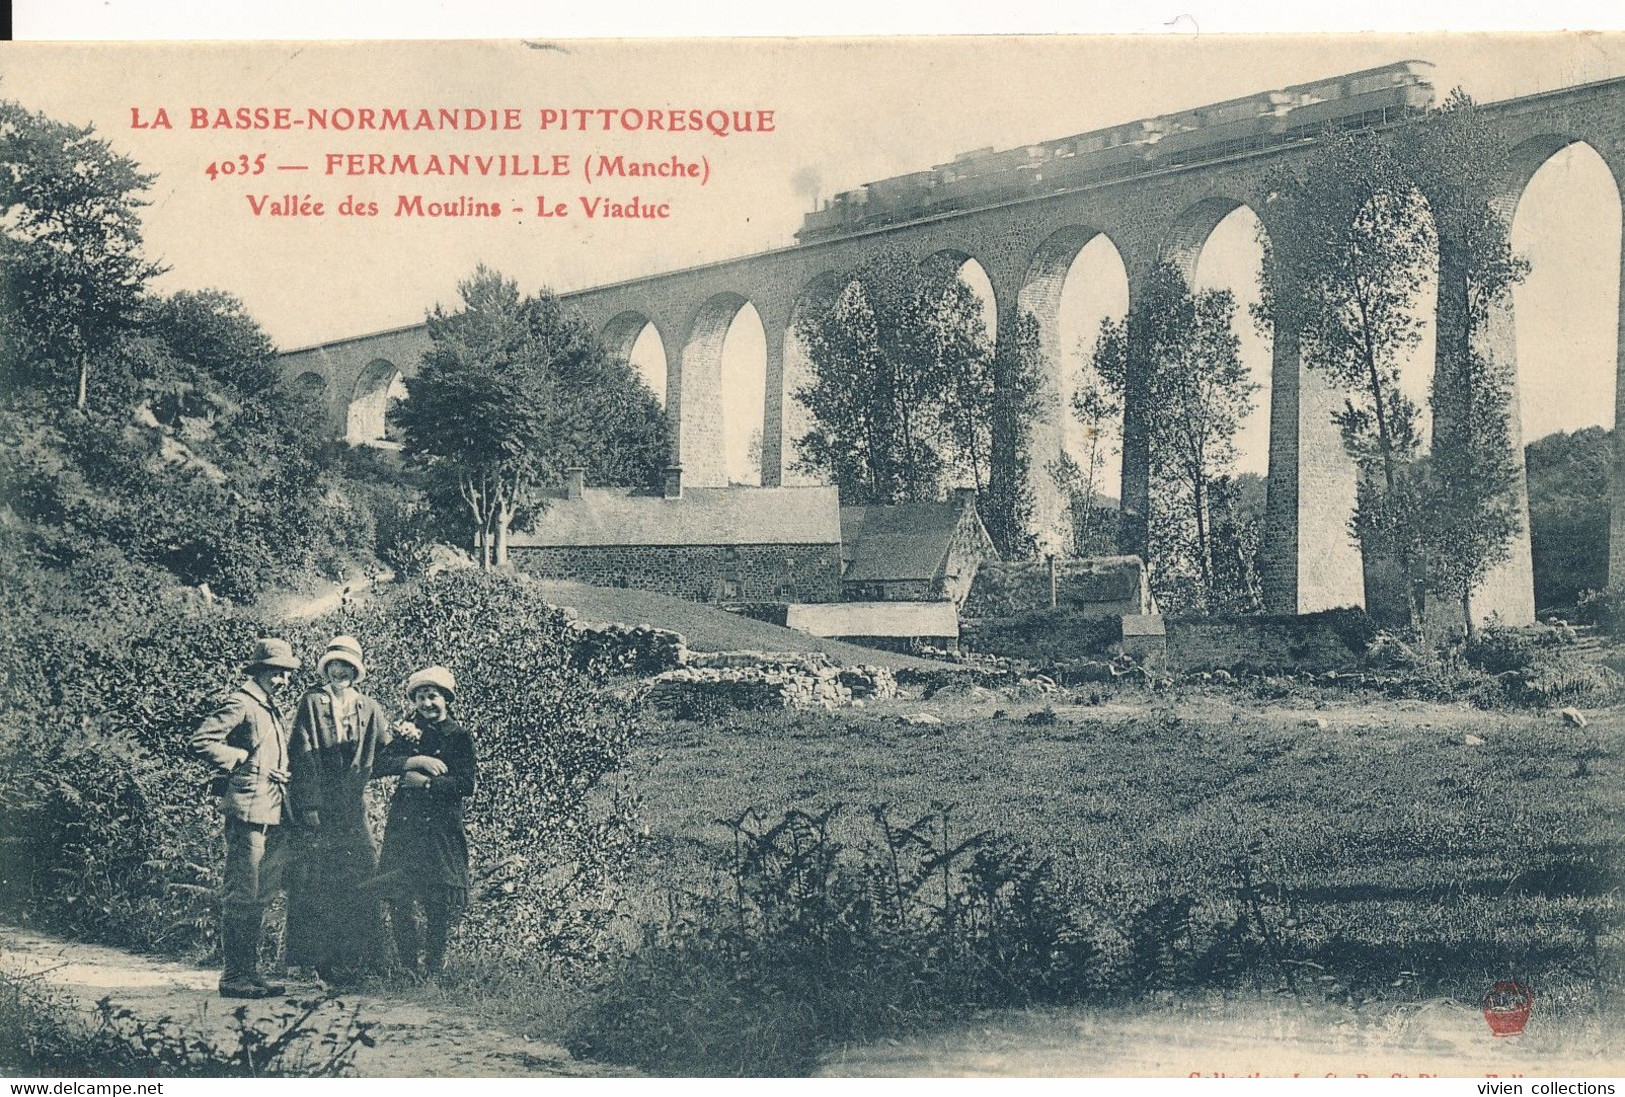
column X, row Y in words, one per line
column 986, row 176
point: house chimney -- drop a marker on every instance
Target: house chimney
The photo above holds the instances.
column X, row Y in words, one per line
column 574, row 479
column 674, row 482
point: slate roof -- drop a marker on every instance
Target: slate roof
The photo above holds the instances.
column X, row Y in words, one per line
column 897, row 543
column 618, row 517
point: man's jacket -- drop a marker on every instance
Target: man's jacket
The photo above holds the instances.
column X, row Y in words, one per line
column 246, row 741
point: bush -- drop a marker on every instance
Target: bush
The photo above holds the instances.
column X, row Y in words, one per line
column 106, row 842
column 812, row 944
column 1497, row 650
column 42, row 1035
column 105, row 832
column 1603, row 608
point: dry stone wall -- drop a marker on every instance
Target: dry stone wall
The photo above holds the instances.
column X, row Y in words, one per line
column 693, row 683
column 699, row 573
column 697, row 691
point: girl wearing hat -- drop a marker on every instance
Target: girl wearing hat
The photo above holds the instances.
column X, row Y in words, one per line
column 425, row 845
column 338, row 734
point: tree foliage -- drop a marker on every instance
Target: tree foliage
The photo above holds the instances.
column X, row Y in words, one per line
column 1569, row 514
column 880, row 382
column 1017, row 397
column 1350, row 248
column 1195, row 392
column 72, row 275
column 513, row 390
column 1098, row 411
column 910, row 395
column 1473, row 500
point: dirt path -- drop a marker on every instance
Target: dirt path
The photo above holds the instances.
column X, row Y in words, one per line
column 327, row 598
column 413, row 1040
column 1238, row 1039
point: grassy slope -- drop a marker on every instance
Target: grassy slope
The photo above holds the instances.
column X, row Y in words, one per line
column 708, row 629
column 1407, row 850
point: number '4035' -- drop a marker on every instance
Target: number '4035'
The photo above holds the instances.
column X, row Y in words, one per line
column 242, row 165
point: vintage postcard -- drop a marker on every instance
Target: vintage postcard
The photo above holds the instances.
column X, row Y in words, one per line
column 1008, row 556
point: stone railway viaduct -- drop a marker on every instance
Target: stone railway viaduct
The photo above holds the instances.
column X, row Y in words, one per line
column 1026, row 247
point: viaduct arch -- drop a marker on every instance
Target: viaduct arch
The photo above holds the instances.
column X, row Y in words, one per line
column 1024, row 246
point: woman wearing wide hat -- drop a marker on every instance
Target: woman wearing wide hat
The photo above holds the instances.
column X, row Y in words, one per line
column 425, row 856
column 338, row 734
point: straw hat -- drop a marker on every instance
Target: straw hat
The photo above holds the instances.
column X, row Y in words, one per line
column 438, row 677
column 345, row 649
column 271, row 652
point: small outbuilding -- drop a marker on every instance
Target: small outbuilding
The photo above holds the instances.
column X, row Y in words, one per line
column 913, row 552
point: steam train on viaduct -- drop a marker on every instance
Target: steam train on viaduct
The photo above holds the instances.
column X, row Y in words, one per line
column 1357, row 100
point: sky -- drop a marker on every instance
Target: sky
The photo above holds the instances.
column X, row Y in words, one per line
column 844, row 112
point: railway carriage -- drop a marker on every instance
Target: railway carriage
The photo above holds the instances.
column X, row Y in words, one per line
column 1371, row 97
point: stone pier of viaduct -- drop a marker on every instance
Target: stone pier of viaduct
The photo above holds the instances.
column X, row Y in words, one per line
column 1026, row 247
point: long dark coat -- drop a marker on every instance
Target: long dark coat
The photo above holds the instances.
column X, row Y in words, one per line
column 333, row 920
column 425, row 844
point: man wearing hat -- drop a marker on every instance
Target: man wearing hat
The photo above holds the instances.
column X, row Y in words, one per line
column 338, row 735
column 246, row 741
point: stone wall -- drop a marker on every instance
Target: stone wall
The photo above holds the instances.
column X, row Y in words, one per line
column 895, row 590
column 1331, row 640
column 1095, row 586
column 699, row 573
column 695, row 692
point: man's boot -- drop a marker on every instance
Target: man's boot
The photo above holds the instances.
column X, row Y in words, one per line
column 239, row 944
column 437, row 927
column 403, row 922
column 253, row 927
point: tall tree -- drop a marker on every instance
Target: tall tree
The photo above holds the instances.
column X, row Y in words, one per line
column 1197, row 392
column 1349, row 246
column 1098, row 412
column 1473, row 496
column 910, row 395
column 1356, row 229
column 879, row 381
column 72, row 276
column 514, row 389
column 1017, row 398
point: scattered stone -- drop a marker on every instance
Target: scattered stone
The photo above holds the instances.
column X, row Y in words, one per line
column 1471, row 740
column 1223, row 676
column 1574, row 718
column 959, row 691
column 1317, row 722
column 694, row 688
column 920, row 719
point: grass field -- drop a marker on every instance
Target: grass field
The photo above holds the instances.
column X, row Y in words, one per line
column 1389, row 858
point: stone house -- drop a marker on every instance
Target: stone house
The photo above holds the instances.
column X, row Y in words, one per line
column 913, row 552
column 704, row 544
